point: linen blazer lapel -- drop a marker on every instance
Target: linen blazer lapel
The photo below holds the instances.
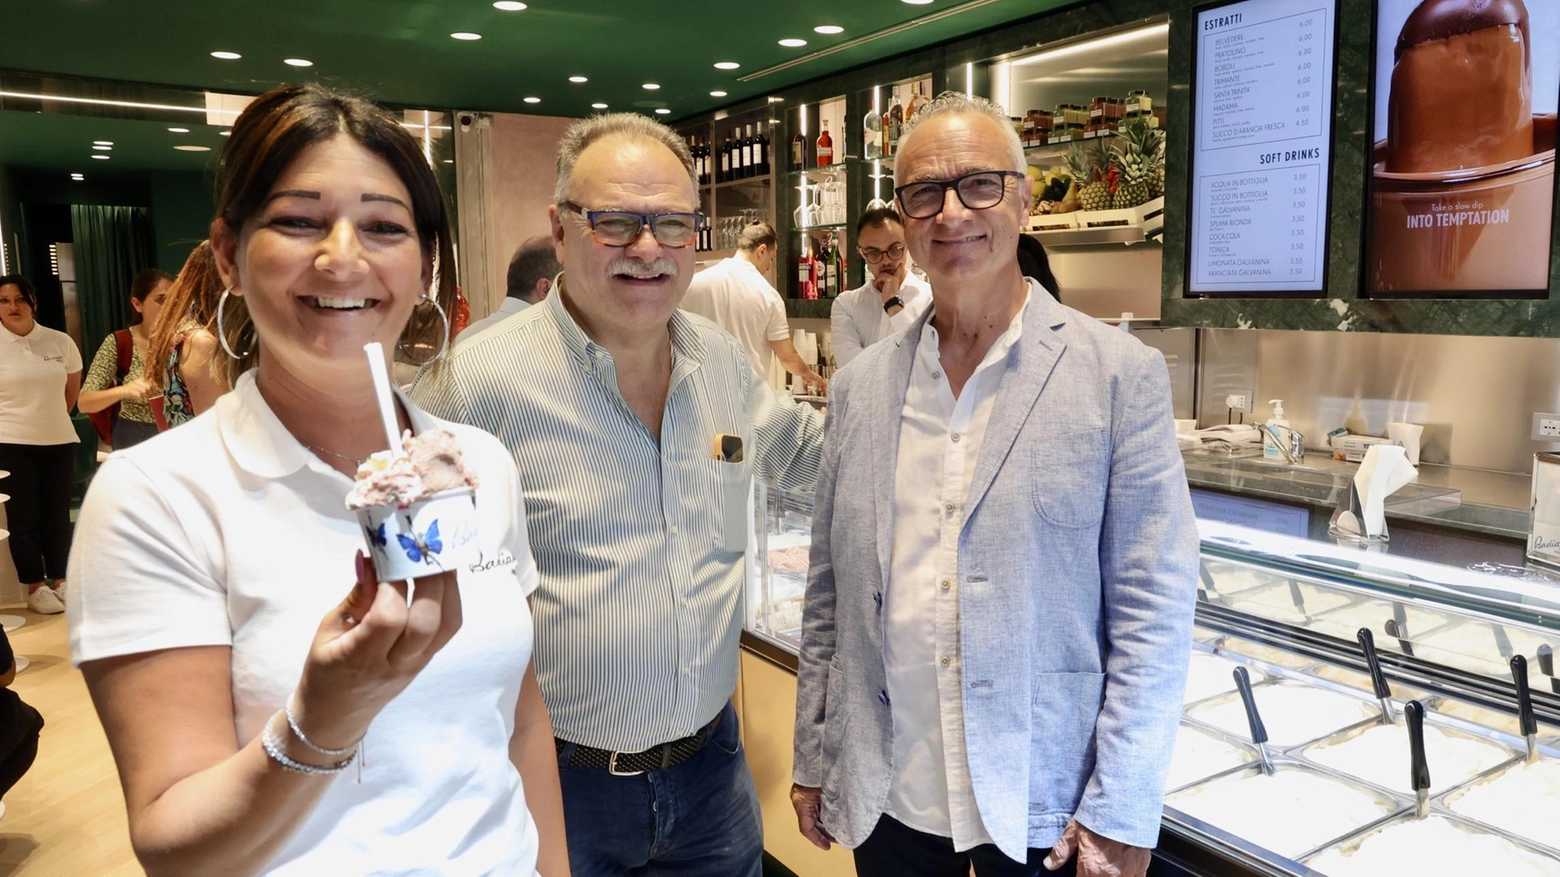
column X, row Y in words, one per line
column 892, row 380
column 1038, row 350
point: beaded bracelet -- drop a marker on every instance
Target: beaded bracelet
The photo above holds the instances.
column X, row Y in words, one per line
column 273, row 748
column 292, row 724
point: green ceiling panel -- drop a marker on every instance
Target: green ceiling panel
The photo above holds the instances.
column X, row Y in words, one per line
column 63, row 143
column 401, row 52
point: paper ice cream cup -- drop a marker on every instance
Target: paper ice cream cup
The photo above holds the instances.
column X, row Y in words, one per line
column 435, row 535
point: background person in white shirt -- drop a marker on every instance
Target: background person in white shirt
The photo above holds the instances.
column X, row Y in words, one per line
column 891, row 301
column 40, row 377
column 531, row 273
column 734, row 295
column 236, row 673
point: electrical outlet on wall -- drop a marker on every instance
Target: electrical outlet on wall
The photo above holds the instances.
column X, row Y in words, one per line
column 1238, row 402
column 1546, row 427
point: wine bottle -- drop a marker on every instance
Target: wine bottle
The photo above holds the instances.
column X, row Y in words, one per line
column 799, row 152
column 747, row 153
column 825, row 146
column 803, row 273
column 872, row 135
column 831, row 276
column 761, row 152
column 896, row 120
column 725, row 161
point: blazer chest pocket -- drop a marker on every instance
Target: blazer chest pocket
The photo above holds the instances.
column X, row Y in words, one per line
column 1069, row 475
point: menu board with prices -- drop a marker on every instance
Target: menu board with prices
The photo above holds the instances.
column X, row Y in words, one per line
column 1261, row 149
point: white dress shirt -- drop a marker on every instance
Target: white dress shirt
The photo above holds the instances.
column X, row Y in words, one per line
column 641, row 543
column 507, row 309
column 939, row 442
column 734, row 295
column 857, row 321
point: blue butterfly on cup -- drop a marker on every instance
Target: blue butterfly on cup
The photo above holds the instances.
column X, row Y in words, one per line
column 421, row 547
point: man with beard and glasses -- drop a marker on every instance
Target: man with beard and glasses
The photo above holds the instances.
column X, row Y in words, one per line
column 637, row 429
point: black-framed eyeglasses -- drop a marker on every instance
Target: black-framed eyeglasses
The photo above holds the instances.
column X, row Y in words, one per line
column 618, row 228
column 980, row 190
column 874, row 256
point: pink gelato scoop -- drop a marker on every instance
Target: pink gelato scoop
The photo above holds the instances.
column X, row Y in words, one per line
column 428, row 463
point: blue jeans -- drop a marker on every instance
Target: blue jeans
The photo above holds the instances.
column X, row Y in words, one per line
column 695, row 819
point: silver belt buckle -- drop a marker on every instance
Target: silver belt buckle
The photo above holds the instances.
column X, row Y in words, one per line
column 612, row 767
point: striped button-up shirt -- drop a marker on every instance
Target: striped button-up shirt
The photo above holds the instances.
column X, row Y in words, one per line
column 639, row 544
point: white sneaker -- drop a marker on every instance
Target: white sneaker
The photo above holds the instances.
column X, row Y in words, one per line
column 45, row 601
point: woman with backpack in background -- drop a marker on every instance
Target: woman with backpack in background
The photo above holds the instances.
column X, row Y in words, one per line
column 115, row 392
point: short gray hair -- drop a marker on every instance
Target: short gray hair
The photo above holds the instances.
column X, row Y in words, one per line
column 953, row 102
column 587, row 131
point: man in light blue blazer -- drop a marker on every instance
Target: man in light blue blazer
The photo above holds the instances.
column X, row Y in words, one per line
column 998, row 616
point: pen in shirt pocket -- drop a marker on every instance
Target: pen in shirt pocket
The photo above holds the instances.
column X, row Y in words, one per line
column 728, row 447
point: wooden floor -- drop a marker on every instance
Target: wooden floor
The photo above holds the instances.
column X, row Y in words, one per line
column 66, row 818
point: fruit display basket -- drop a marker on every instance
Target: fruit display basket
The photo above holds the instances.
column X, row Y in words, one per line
column 1128, row 225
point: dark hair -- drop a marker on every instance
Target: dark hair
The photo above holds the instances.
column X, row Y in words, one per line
column 29, row 292
column 142, row 284
column 532, row 261
column 1033, row 261
column 757, row 234
column 270, row 135
column 878, row 216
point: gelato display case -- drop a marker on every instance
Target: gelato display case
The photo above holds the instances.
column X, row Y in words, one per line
column 1339, row 800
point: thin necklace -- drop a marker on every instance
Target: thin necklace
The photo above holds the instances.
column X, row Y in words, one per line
column 342, row 457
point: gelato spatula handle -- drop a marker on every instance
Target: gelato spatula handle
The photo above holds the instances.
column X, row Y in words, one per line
column 1378, row 679
column 1398, row 630
column 1243, row 682
column 1527, row 720
column 1414, row 714
column 1546, row 665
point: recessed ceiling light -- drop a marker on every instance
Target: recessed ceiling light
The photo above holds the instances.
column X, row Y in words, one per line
column 717, row 94
column 449, row 161
column 828, row 29
column 298, row 62
column 465, row 35
column 101, row 157
column 726, row 65
column 77, row 177
column 101, row 148
column 225, row 133
column 578, row 79
column 226, row 56
column 509, row 5
column 178, row 130
column 598, row 106
column 651, row 86
column 532, row 100
column 102, row 143
column 193, row 148
column 793, row 43
column 917, row 2
column 662, row 111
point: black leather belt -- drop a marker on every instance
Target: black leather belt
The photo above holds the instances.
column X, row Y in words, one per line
column 625, row 764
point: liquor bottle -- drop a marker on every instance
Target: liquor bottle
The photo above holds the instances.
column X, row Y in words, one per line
column 896, row 121
column 825, row 146
column 812, row 273
column 799, row 152
column 747, row 153
column 804, row 272
column 872, row 135
column 761, row 152
column 831, row 268
column 914, row 102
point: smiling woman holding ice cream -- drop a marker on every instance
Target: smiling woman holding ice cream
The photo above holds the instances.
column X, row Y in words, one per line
column 251, row 736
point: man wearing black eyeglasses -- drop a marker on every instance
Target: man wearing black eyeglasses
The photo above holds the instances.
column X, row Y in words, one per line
column 890, row 301
column 998, row 615
column 637, row 430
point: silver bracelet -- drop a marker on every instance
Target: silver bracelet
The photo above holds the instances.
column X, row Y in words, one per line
column 273, row 748
column 292, row 724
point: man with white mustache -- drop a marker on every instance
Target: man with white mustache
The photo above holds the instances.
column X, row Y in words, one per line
column 637, row 429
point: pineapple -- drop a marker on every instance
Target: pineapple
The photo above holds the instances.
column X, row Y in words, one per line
column 1139, row 151
column 1093, row 190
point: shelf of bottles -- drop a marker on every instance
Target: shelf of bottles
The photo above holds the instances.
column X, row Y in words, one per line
column 734, row 160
